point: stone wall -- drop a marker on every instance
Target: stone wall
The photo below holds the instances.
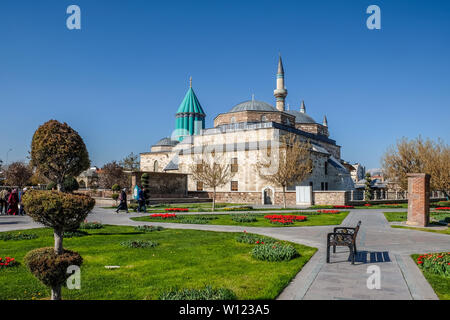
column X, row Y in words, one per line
column 254, row 116
column 163, row 185
column 330, row 197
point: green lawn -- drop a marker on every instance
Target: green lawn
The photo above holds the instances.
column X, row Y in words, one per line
column 183, row 259
column 402, row 216
column 378, row 206
column 225, row 219
column 445, row 231
column 440, row 284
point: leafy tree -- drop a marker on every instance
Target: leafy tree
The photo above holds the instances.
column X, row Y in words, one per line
column 112, row 173
column 58, row 151
column 213, row 173
column 368, row 187
column 18, row 174
column 294, row 164
column 419, row 156
column 130, row 162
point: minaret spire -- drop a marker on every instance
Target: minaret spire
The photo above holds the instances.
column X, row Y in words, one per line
column 325, row 121
column 303, row 107
column 280, row 92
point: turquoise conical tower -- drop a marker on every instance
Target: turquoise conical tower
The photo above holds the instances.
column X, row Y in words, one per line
column 190, row 117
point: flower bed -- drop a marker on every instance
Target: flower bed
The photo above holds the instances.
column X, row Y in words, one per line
column 177, row 209
column 274, row 252
column 437, row 263
column 443, row 208
column 343, row 207
column 163, row 215
column 253, row 238
column 328, row 211
column 367, row 205
column 243, row 218
column 18, row 236
column 284, row 219
column 7, row 262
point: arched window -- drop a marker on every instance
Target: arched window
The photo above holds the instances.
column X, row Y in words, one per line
column 263, row 118
column 155, row 166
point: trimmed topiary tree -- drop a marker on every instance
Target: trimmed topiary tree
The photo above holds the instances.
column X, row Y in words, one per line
column 145, row 179
column 115, row 187
column 60, row 211
column 70, row 184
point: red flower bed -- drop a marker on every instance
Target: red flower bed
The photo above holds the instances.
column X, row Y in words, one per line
column 328, row 211
column 367, row 205
column 343, row 207
column 7, row 262
column 163, row 215
column 177, row 209
column 284, row 219
column 443, row 208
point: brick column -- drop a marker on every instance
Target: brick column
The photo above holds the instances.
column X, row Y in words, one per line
column 418, row 199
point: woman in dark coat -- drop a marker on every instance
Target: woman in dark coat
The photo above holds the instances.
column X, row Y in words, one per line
column 13, row 203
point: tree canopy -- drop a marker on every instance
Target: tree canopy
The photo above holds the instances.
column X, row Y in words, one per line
column 18, row 174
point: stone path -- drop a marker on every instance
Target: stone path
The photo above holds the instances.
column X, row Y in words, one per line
column 378, row 244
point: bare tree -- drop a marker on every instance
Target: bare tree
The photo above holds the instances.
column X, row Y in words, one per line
column 18, row 174
column 418, row 155
column 112, row 173
column 213, row 173
column 294, row 164
column 130, row 162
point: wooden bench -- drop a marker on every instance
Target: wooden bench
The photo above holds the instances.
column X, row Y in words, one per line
column 345, row 237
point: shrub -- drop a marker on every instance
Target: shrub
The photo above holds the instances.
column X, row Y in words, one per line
column 253, row 238
column 244, row 208
column 18, row 236
column 274, row 252
column 50, row 268
column 91, row 225
column 437, row 263
column 115, row 187
column 115, row 196
column 148, row 228
column 51, row 186
column 243, row 218
column 207, row 293
column 139, row 244
column 75, row 233
column 196, row 219
column 7, row 262
column 70, row 184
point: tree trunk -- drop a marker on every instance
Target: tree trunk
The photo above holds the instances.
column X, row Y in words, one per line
column 284, row 197
column 56, row 293
column 58, row 235
column 214, row 200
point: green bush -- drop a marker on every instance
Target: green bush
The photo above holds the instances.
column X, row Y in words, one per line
column 57, row 210
column 115, row 196
column 148, row 228
column 49, row 268
column 244, row 208
column 70, row 184
column 115, row 187
column 18, row 236
column 75, row 233
column 51, row 186
column 139, row 244
column 207, row 293
column 253, row 238
column 91, row 225
column 195, row 219
column 274, row 252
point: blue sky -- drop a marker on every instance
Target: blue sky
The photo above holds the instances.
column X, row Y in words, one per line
column 120, row 79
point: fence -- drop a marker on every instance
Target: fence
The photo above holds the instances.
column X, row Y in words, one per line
column 382, row 195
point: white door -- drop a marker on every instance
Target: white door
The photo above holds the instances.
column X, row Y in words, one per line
column 303, row 195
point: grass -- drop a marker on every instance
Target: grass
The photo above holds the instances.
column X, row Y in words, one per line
column 377, row 206
column 183, row 259
column 402, row 216
column 225, row 220
column 440, row 284
column 444, row 231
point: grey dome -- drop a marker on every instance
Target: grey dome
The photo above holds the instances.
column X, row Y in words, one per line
column 166, row 142
column 253, row 105
column 301, row 117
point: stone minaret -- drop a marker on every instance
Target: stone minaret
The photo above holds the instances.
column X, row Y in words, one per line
column 280, row 92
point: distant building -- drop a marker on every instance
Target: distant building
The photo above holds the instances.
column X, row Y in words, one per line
column 89, row 178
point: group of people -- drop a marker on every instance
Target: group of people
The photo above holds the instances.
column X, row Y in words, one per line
column 11, row 201
column 140, row 197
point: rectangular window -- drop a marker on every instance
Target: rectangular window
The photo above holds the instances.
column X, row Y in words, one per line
column 311, row 185
column 326, row 167
column 234, row 186
column 322, row 186
column 326, row 185
column 234, row 165
column 199, row 185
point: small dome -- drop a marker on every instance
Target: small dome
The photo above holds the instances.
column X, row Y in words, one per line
column 301, row 117
column 166, row 142
column 253, row 105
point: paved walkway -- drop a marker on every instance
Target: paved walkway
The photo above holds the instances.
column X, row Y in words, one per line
column 378, row 244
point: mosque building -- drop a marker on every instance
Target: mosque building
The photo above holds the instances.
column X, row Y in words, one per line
column 244, row 135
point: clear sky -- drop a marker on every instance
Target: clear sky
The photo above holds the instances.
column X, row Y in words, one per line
column 120, row 79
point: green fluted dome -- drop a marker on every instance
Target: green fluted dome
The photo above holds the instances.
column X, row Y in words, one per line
column 190, row 104
column 190, row 117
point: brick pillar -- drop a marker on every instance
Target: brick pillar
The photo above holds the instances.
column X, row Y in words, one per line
column 418, row 199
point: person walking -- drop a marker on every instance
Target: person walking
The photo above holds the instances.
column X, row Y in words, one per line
column 141, row 201
column 3, row 201
column 123, row 201
column 13, row 203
